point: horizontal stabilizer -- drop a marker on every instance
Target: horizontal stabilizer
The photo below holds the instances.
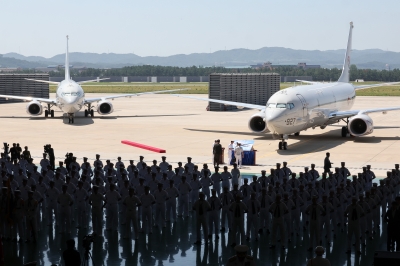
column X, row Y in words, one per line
column 363, row 87
column 310, row 82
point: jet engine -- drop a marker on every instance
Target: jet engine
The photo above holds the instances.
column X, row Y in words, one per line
column 34, row 108
column 257, row 123
column 361, row 125
column 105, row 108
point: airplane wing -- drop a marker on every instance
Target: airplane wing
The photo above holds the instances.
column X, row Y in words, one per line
column 45, row 81
column 53, row 101
column 93, row 80
column 246, row 105
column 363, row 87
column 309, row 82
column 346, row 114
column 92, row 100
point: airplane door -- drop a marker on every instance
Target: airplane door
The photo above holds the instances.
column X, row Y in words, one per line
column 304, row 103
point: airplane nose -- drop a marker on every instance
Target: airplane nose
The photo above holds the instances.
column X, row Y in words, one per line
column 272, row 118
column 71, row 100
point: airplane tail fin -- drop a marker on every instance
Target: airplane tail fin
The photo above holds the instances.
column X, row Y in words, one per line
column 67, row 75
column 345, row 77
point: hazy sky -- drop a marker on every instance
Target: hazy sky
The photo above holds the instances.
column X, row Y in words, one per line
column 168, row 27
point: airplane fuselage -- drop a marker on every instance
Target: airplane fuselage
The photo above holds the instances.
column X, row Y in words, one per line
column 297, row 108
column 70, row 96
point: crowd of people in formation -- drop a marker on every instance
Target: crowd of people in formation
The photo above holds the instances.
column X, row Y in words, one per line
column 280, row 203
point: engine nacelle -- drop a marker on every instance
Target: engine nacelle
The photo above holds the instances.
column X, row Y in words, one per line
column 34, row 108
column 257, row 123
column 361, row 125
column 105, row 108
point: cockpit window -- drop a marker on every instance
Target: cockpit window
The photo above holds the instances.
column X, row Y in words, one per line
column 281, row 105
column 290, row 105
column 70, row 94
column 271, row 105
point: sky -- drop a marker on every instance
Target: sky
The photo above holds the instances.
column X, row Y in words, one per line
column 163, row 28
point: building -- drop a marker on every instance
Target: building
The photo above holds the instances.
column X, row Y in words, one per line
column 16, row 84
column 271, row 66
column 254, row 88
column 9, row 69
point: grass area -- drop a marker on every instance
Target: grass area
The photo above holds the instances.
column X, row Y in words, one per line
column 202, row 88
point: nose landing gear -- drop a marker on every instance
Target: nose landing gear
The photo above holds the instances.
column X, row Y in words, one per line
column 49, row 111
column 89, row 111
column 70, row 118
column 283, row 144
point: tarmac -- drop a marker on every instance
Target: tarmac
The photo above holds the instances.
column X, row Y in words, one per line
column 184, row 128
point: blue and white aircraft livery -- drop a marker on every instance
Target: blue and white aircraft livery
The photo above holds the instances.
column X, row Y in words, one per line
column 294, row 109
column 70, row 98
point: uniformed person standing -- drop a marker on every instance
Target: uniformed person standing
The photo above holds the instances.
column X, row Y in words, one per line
column 161, row 196
column 97, row 201
column 131, row 203
column 214, row 214
column 353, row 213
column 230, row 152
column 201, row 207
column 265, row 217
column 216, row 178
column 81, row 197
column 147, row 201
column 253, row 209
column 315, row 210
column 184, row 190
column 239, row 155
column 112, row 198
column 238, row 208
column 173, row 194
column 19, row 216
column 31, row 217
column 241, row 258
column 278, row 210
column 65, row 200
column 226, row 199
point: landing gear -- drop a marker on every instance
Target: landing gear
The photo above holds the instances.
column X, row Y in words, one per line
column 344, row 132
column 70, row 118
column 345, row 129
column 89, row 111
column 282, row 145
column 297, row 134
column 49, row 111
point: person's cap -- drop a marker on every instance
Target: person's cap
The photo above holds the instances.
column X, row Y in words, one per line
column 263, row 171
column 306, row 167
column 336, row 168
column 278, row 164
column 119, row 157
column 313, row 164
column 368, row 165
column 141, row 157
column 241, row 248
column 107, row 160
column 84, row 158
column 319, row 249
column 154, row 161
column 163, row 157
column 97, row 154
column 396, row 165
column 232, row 141
column 131, row 161
column 284, row 162
column 189, row 158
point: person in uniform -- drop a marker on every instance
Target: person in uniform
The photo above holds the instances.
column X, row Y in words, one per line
column 81, row 197
column 189, row 165
column 239, row 155
column 230, row 152
column 31, row 217
column 315, row 210
column 97, row 201
column 214, row 214
column 147, row 202
column 112, row 198
column 217, row 152
column 226, row 199
column 265, row 217
column 253, row 209
column 184, row 190
column 216, row 178
column 241, row 258
column 238, row 208
column 173, row 194
column 160, row 196
column 131, row 203
column 278, row 210
column 201, row 207
column 235, row 172
column 195, row 184
column 327, row 163
column 65, row 200
column 353, row 213
column 19, row 216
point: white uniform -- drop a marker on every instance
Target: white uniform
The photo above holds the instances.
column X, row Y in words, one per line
column 81, row 196
column 238, row 209
column 238, row 156
column 206, row 182
column 253, row 207
column 97, row 201
column 31, row 206
column 354, row 213
column 201, row 207
column 225, row 179
column 112, row 198
column 65, row 200
column 131, row 202
column 173, row 193
column 161, row 197
column 213, row 216
column 216, row 179
column 194, row 194
column 235, row 176
column 230, row 151
column 315, row 211
column 226, row 199
column 326, row 219
column 52, row 207
column 184, row 189
column 147, row 201
column 265, row 217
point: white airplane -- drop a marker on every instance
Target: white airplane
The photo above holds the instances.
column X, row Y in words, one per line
column 294, row 109
column 70, row 98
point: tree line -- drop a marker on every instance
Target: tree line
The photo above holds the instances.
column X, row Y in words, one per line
column 318, row 74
